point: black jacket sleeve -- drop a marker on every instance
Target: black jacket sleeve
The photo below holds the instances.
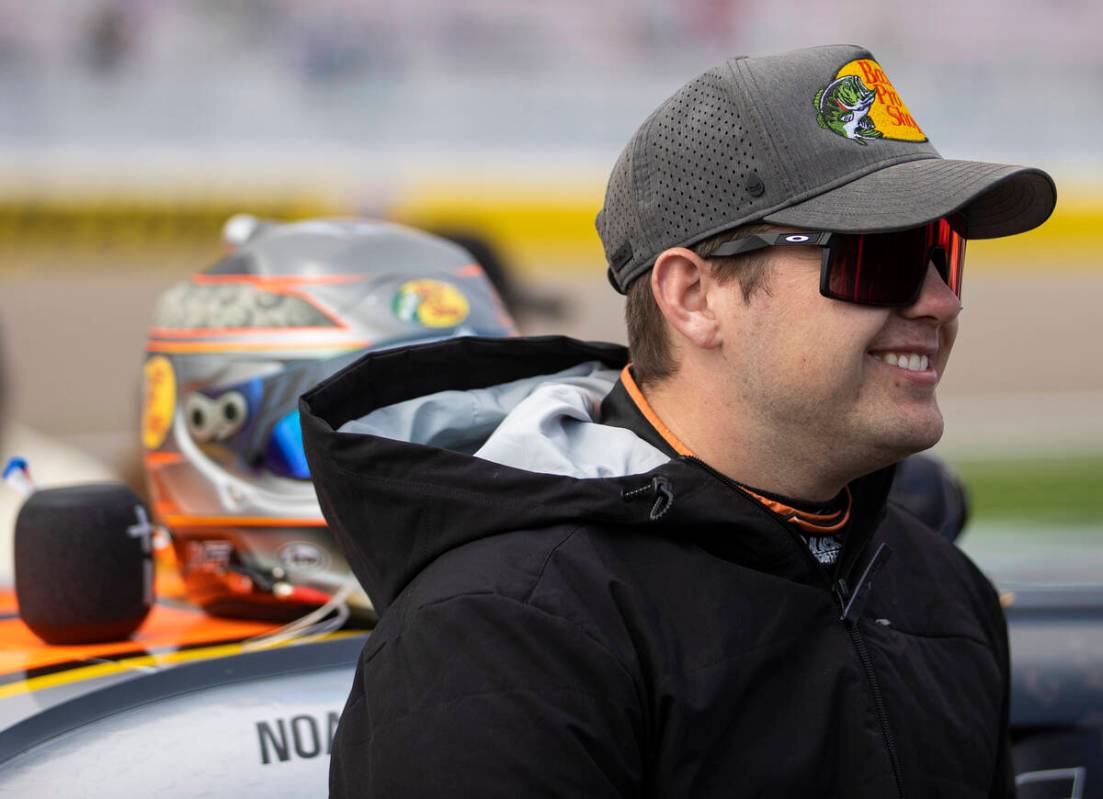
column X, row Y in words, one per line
column 1003, row 781
column 483, row 695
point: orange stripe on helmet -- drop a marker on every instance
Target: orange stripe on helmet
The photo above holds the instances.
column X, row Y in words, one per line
column 470, row 270
column 210, row 332
column 278, row 280
column 184, row 347
column 182, row 521
column 154, row 459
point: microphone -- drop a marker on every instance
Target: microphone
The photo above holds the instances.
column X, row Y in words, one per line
column 83, row 563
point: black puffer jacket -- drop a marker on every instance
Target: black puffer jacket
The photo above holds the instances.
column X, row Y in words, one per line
column 651, row 634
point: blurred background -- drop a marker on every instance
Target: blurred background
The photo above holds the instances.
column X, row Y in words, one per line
column 131, row 129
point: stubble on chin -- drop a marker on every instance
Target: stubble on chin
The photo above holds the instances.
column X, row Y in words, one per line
column 914, row 436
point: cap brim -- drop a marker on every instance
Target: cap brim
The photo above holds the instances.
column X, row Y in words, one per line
column 996, row 199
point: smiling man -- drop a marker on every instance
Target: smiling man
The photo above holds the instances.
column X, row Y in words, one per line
column 685, row 576
column 789, row 390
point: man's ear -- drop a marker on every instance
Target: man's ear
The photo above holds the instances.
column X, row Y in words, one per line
column 682, row 284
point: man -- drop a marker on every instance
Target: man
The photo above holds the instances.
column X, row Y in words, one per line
column 686, row 580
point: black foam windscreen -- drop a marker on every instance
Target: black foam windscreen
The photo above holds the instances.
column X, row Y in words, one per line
column 83, row 563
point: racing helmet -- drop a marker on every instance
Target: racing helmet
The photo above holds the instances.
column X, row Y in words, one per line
column 230, row 351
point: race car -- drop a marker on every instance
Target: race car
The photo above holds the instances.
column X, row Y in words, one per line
column 191, row 705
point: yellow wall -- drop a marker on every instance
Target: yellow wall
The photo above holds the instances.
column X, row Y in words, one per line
column 535, row 227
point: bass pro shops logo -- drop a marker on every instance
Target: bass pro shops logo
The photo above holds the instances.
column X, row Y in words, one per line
column 431, row 303
column 861, row 104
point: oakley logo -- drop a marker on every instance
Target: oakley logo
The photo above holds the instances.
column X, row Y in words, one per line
column 797, row 239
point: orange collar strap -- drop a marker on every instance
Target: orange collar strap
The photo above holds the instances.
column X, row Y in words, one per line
column 822, row 523
column 649, row 413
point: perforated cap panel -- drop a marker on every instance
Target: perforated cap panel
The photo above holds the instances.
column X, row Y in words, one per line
column 694, row 167
column 700, row 158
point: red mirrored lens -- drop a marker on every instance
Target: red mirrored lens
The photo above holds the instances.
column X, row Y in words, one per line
column 888, row 269
column 878, row 269
column 950, row 239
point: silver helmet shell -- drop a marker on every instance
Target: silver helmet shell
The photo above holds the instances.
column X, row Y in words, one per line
column 229, row 353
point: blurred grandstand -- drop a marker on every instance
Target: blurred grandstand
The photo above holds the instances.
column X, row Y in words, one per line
column 130, row 129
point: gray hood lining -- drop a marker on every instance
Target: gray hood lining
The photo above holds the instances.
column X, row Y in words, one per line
column 546, row 424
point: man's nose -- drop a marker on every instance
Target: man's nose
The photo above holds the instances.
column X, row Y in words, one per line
column 936, row 299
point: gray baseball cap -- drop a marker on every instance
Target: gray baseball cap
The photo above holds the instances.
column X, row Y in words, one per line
column 817, row 139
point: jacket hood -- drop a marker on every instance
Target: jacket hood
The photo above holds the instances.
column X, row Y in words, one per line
column 419, row 450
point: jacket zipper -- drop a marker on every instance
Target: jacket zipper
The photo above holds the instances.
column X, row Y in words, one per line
column 878, row 702
column 846, row 601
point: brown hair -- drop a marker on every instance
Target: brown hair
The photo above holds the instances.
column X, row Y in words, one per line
column 648, row 339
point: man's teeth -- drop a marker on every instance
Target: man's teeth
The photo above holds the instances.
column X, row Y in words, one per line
column 912, row 361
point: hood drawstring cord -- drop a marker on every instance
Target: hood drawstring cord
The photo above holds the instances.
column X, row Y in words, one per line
column 660, row 488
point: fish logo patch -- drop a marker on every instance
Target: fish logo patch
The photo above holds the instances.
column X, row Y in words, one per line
column 862, row 105
column 432, row 303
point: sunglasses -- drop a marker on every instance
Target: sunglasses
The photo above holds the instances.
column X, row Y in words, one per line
column 883, row 269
